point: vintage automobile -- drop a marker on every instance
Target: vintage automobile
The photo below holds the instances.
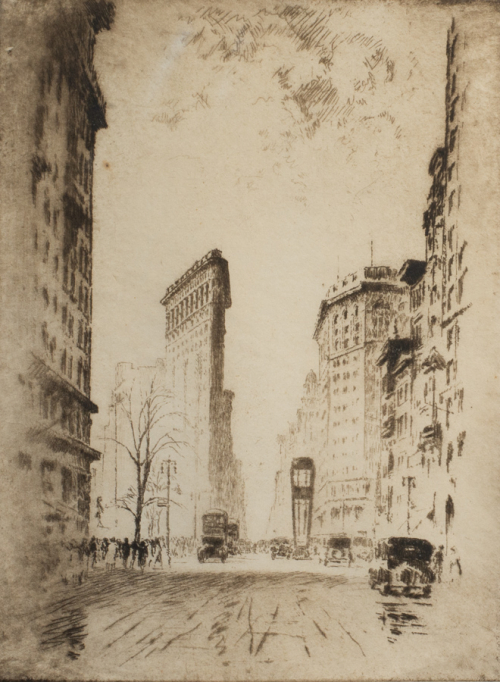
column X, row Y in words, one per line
column 362, row 548
column 281, row 547
column 301, row 553
column 233, row 536
column 214, row 538
column 245, row 547
column 338, row 551
column 404, row 567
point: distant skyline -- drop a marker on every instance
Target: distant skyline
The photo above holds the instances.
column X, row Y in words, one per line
column 289, row 147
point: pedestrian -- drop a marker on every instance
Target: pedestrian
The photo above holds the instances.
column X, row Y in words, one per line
column 134, row 547
column 455, row 565
column 111, row 555
column 125, row 552
column 93, row 551
column 142, row 552
column 438, row 562
column 104, row 548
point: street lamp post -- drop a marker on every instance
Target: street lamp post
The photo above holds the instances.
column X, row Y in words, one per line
column 171, row 465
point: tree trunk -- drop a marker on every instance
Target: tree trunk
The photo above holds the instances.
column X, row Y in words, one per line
column 138, row 517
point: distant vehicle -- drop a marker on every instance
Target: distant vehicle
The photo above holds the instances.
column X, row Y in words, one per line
column 262, row 546
column 338, row 551
column 214, row 538
column 404, row 567
column 362, row 548
column 245, row 547
column 301, row 553
column 233, row 536
column 281, row 547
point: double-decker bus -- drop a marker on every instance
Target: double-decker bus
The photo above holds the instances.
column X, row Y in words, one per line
column 214, row 538
column 302, row 480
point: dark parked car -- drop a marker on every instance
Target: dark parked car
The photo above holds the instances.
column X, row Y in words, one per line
column 281, row 547
column 338, row 551
column 362, row 548
column 301, row 553
column 404, row 567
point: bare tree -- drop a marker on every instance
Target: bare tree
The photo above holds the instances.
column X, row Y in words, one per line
column 149, row 436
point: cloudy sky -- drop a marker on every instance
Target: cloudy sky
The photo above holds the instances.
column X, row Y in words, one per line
column 289, row 137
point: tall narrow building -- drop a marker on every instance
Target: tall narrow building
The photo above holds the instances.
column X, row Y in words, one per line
column 51, row 109
column 195, row 307
column 437, row 483
column 353, row 323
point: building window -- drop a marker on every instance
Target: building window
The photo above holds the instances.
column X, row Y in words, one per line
column 450, row 297
column 52, row 348
column 461, row 287
column 453, row 139
column 67, row 484
column 453, row 48
column 450, row 201
column 80, row 374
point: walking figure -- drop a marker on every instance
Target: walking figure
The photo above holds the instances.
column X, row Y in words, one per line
column 438, row 562
column 142, row 555
column 455, row 565
column 125, row 552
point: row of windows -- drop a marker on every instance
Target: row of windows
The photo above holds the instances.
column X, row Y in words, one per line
column 188, row 305
column 345, row 360
column 345, row 406
column 345, row 389
column 84, row 299
column 344, row 314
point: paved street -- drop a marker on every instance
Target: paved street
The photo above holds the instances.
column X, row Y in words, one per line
column 251, row 618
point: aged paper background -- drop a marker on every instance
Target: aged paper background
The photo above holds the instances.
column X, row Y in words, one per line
column 297, row 140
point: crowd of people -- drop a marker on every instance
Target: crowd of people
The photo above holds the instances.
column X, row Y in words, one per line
column 112, row 553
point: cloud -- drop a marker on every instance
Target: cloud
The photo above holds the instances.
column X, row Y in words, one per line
column 328, row 72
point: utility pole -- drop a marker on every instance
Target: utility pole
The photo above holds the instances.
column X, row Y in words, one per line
column 410, row 482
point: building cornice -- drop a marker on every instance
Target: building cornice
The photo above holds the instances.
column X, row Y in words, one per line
column 213, row 257
column 363, row 287
column 43, row 373
column 61, row 442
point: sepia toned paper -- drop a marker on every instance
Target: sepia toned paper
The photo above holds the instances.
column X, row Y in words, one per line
column 249, row 352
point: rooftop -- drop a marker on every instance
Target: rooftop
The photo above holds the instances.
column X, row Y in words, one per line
column 213, row 256
column 354, row 282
